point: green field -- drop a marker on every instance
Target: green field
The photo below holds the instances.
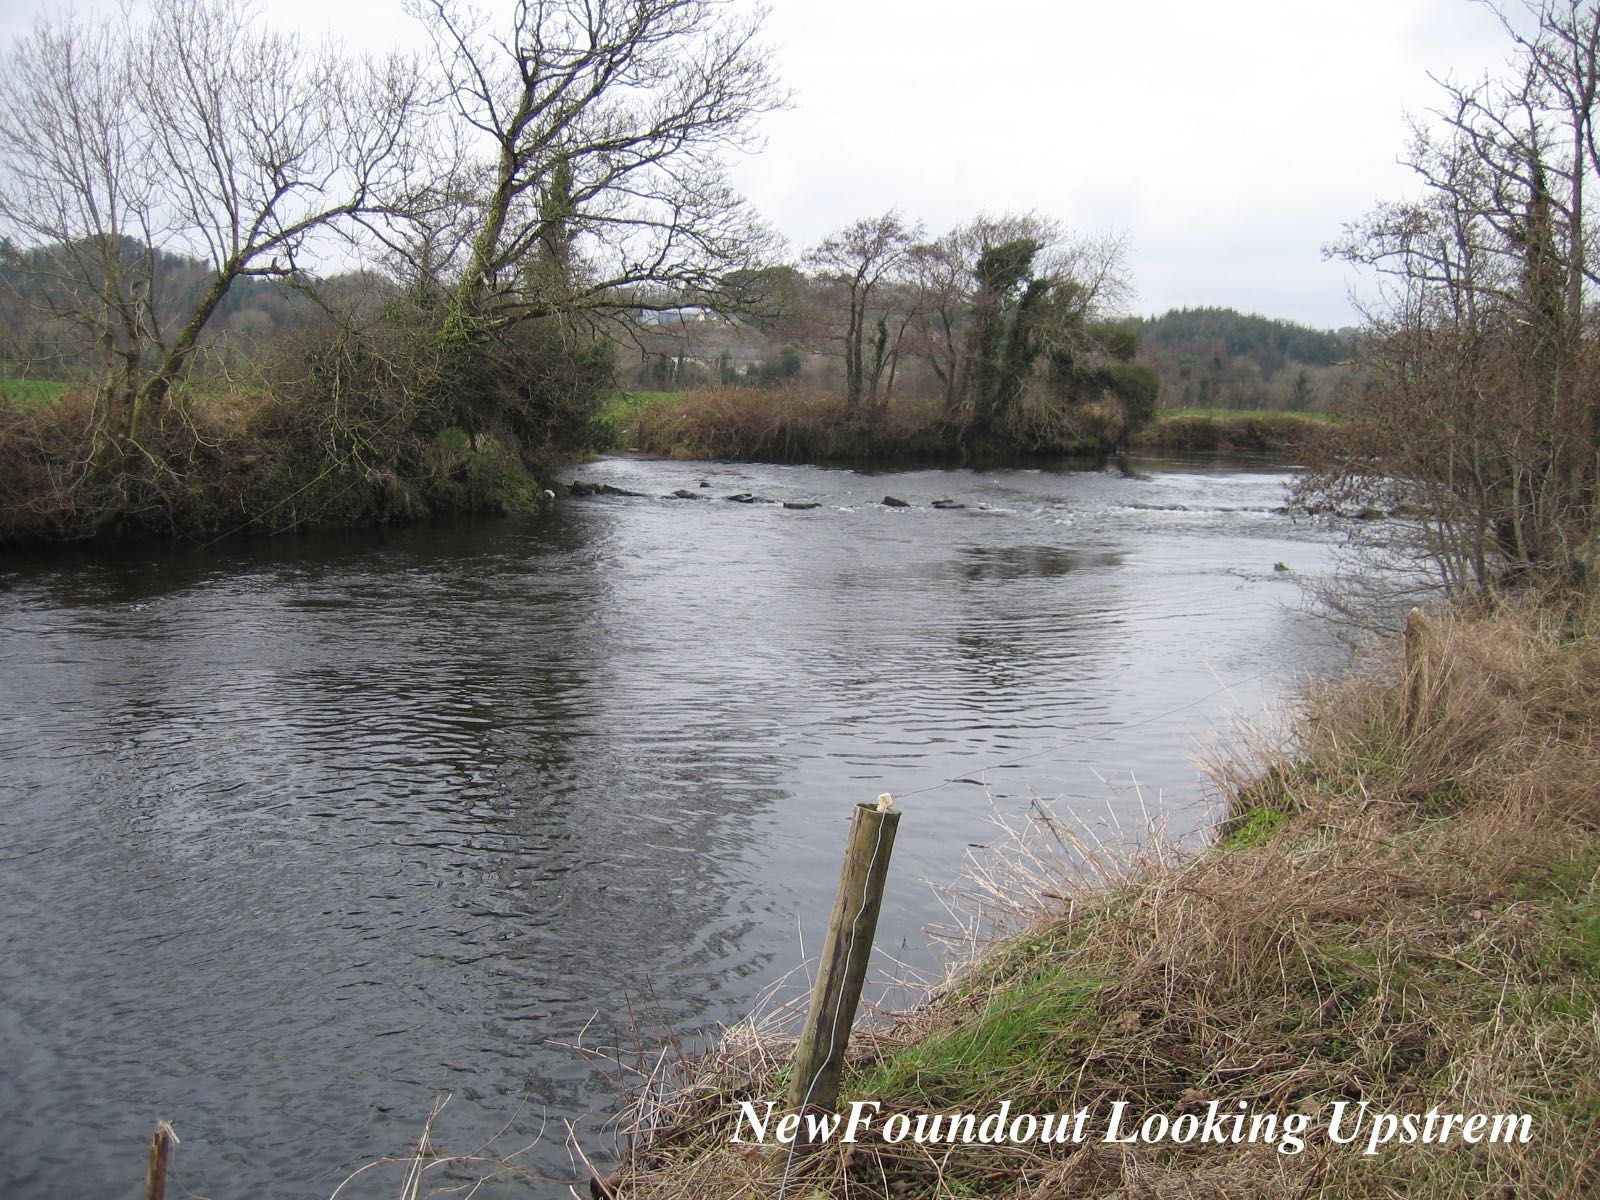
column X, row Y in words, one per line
column 627, row 401
column 31, row 391
column 623, row 404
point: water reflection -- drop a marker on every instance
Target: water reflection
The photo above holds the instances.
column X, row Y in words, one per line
column 1003, row 563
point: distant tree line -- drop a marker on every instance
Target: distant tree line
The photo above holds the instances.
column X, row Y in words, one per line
column 1273, row 342
column 1009, row 324
column 36, row 286
column 1222, row 358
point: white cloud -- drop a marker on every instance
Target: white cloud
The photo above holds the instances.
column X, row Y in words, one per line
column 1230, row 140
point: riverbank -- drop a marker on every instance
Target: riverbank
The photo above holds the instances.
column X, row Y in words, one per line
column 1401, row 911
column 1202, row 430
column 227, row 457
column 797, row 426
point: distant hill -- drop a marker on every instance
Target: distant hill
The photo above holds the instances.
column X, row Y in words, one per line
column 1222, row 358
column 38, row 281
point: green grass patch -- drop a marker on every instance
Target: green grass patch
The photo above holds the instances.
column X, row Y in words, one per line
column 1577, row 921
column 31, row 391
column 1021, row 1026
column 1255, row 830
column 625, row 404
column 616, row 424
column 635, row 399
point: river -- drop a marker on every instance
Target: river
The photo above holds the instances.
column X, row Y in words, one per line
column 298, row 833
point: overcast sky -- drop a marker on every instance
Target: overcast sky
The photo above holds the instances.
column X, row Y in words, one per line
column 1229, row 139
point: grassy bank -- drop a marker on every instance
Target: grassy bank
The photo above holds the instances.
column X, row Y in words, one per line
column 1205, row 429
column 1401, row 910
column 226, row 456
column 30, row 391
column 797, row 425
column 343, row 436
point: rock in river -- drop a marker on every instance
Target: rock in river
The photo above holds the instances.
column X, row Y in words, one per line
column 579, row 488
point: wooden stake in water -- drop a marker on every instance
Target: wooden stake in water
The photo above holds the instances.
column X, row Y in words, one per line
column 819, row 1059
column 155, row 1177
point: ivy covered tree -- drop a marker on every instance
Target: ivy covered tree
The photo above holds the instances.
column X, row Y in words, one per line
column 996, row 296
column 605, row 123
column 1005, row 337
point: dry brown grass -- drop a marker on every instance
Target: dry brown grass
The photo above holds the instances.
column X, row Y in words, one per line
column 786, row 425
column 1249, row 431
column 1402, row 909
column 62, row 480
column 797, row 424
column 793, row 424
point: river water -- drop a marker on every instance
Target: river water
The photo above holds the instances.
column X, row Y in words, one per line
column 297, row 834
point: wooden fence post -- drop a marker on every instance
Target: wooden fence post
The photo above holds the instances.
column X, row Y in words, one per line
column 819, row 1059
column 155, row 1177
column 1416, row 673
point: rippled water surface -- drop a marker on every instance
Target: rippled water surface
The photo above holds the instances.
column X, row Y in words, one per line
column 297, row 834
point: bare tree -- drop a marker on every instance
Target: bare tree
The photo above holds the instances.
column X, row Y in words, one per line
column 862, row 270
column 192, row 132
column 1482, row 412
column 595, row 161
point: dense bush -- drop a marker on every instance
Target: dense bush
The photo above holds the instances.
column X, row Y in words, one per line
column 346, row 426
